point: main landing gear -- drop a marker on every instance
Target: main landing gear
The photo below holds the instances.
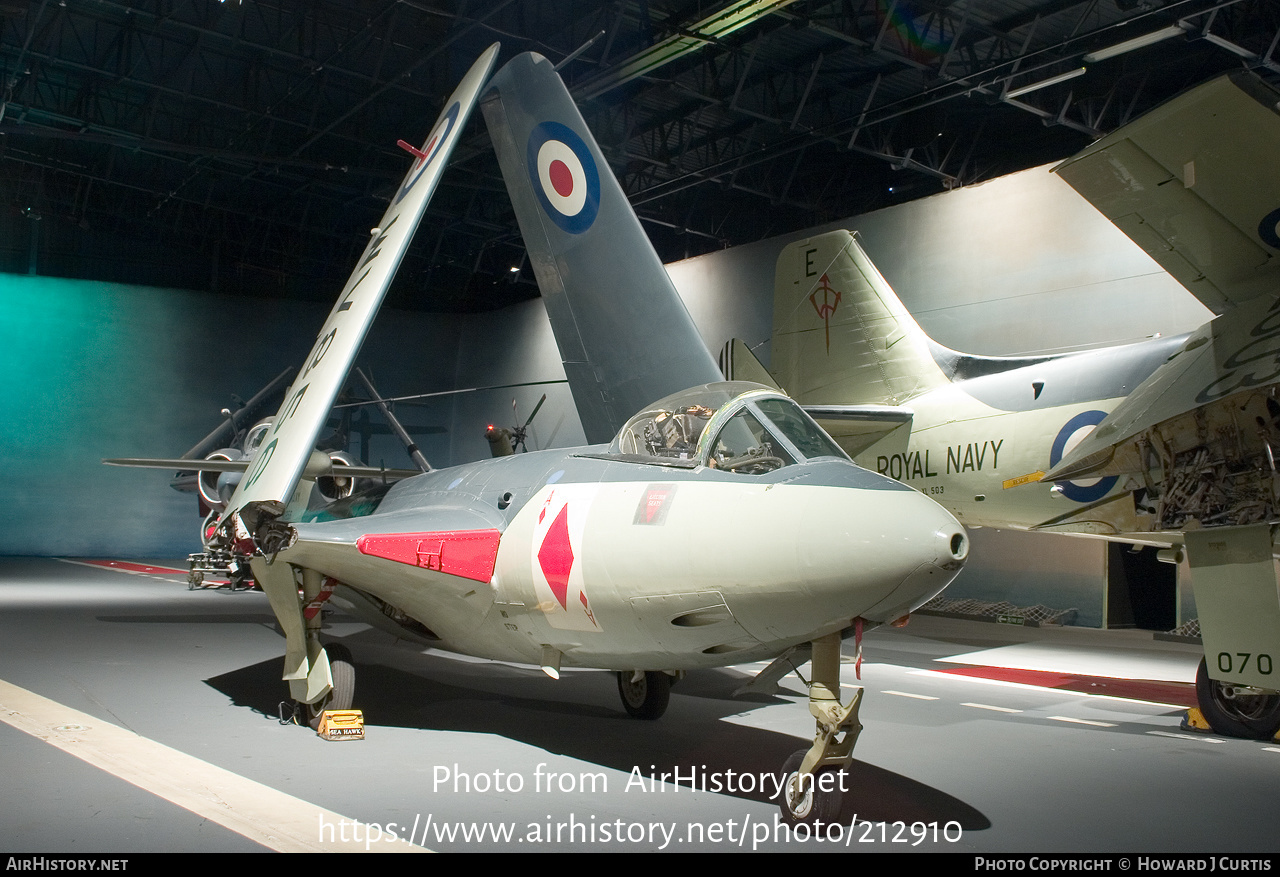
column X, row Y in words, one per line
column 320, row 677
column 343, row 692
column 1237, row 710
column 644, row 694
column 1233, row 572
column 816, row 779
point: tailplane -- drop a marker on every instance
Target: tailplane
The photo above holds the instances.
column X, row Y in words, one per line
column 624, row 335
column 840, row 333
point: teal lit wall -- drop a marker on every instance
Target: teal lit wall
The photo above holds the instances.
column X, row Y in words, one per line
column 88, row 365
column 96, row 370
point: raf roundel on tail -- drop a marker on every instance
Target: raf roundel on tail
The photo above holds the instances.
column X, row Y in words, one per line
column 564, row 176
column 1269, row 229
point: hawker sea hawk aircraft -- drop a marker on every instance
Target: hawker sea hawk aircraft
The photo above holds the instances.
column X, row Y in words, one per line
column 711, row 526
column 1170, row 442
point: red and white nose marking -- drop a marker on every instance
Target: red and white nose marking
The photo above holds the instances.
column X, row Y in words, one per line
column 562, row 177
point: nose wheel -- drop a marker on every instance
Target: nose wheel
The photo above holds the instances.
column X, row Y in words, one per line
column 816, row 779
column 808, row 798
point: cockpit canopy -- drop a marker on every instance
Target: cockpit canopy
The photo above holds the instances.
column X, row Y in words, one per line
column 737, row 426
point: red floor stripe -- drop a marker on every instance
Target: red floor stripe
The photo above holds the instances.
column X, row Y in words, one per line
column 147, row 569
column 126, row 566
column 1176, row 693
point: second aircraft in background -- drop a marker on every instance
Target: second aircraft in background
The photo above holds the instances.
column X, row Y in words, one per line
column 1170, row 442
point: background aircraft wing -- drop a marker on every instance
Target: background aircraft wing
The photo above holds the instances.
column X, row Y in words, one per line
column 1193, row 183
column 269, row 485
column 241, row 465
column 239, row 419
column 1197, row 391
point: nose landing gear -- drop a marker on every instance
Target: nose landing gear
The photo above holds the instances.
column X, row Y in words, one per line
column 816, row 779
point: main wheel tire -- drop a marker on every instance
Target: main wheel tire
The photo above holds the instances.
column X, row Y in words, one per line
column 647, row 698
column 343, row 693
column 815, row 801
column 1251, row 716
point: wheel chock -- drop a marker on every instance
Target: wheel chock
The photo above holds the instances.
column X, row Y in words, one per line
column 1194, row 720
column 341, row 725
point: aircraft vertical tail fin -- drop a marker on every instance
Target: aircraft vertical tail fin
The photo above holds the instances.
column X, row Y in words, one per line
column 840, row 333
column 624, row 335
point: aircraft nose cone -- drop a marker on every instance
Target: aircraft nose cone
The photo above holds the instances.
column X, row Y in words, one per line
column 938, row 548
column 951, row 545
column 803, row 557
column 885, row 552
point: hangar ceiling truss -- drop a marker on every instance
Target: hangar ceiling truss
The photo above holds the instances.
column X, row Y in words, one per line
column 248, row 146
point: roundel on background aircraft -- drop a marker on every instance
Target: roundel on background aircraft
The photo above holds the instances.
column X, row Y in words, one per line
column 1269, row 229
column 435, row 143
column 564, row 176
column 1072, row 433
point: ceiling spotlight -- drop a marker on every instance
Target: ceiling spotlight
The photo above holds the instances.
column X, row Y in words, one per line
column 733, row 17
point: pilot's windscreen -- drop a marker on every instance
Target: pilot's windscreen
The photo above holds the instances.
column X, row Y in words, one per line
column 807, row 436
column 744, row 445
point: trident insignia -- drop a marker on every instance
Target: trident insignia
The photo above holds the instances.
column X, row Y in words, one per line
column 827, row 307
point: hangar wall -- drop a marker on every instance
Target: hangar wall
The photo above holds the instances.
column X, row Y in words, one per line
column 1014, row 265
column 99, row 370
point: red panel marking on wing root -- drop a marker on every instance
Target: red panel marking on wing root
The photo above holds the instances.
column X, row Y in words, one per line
column 468, row 554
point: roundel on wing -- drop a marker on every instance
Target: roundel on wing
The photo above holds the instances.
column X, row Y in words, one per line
column 439, row 136
column 564, row 176
column 1072, row 433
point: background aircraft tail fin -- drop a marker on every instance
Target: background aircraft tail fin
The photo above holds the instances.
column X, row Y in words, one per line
column 840, row 333
column 624, row 335
column 739, row 364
